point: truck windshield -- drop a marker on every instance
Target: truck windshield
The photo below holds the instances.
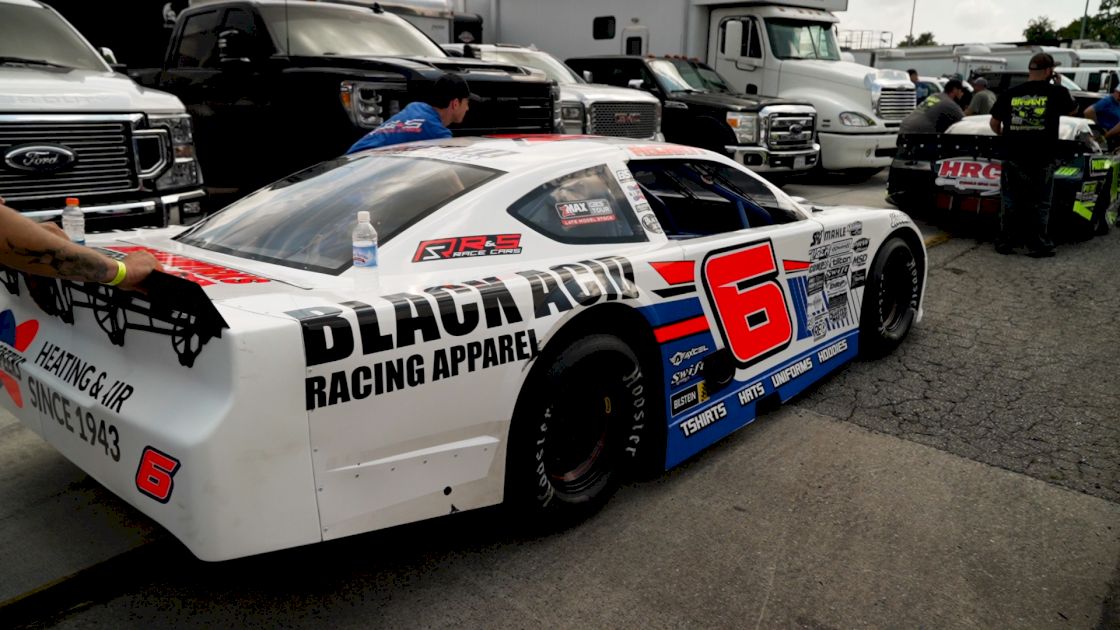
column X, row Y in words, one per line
column 546, row 63
column 345, row 31
column 794, row 39
column 305, row 220
column 681, row 75
column 35, row 36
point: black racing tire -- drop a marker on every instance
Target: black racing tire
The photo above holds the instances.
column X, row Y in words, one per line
column 890, row 298
column 574, row 429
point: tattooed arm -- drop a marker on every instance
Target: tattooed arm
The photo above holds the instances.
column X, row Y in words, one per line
column 30, row 247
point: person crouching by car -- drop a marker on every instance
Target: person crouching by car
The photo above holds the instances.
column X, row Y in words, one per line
column 1027, row 117
column 446, row 104
column 937, row 112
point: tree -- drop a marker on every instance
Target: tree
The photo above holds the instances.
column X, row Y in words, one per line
column 925, row 39
column 1040, row 29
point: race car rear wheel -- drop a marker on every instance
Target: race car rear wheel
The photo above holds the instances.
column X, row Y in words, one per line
column 890, row 299
column 572, row 426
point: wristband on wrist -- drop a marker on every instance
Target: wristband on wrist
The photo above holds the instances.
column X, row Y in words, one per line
column 119, row 278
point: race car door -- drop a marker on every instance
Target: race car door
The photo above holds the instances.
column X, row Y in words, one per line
column 746, row 250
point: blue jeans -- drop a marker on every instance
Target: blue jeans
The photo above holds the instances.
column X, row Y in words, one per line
column 1024, row 213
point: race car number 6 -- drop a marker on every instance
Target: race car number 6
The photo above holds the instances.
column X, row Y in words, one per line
column 749, row 304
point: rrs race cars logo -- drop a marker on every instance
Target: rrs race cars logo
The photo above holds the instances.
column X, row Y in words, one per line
column 467, row 247
column 15, row 339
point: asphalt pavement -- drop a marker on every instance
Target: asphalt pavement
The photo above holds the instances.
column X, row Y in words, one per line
column 969, row 480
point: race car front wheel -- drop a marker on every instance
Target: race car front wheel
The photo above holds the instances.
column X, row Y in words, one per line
column 572, row 427
column 890, row 299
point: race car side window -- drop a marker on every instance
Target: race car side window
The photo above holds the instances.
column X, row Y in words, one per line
column 583, row 207
column 694, row 198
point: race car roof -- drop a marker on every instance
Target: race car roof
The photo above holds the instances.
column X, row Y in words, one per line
column 527, row 152
column 1069, row 128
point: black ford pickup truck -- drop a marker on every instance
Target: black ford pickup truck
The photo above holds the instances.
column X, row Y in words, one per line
column 768, row 135
column 276, row 86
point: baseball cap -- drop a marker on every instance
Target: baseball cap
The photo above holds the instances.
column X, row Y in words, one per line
column 981, row 81
column 1042, row 61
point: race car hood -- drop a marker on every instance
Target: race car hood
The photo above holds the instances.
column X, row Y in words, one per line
column 1069, row 128
column 43, row 90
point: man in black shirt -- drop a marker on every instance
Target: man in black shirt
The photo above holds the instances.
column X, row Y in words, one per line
column 1027, row 117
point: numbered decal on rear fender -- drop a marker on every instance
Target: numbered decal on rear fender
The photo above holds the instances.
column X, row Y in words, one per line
column 155, row 476
column 748, row 303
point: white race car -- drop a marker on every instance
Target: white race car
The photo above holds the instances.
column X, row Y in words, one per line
column 551, row 313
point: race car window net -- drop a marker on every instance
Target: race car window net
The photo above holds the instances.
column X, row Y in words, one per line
column 583, row 207
column 305, row 220
column 693, row 198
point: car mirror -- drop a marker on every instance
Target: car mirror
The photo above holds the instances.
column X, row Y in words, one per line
column 233, row 47
column 732, row 39
column 587, row 76
column 636, row 84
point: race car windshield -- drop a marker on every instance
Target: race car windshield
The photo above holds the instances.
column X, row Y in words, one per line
column 314, row 31
column 305, row 220
column 794, row 39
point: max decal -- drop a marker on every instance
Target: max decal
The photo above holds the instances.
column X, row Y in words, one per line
column 585, row 212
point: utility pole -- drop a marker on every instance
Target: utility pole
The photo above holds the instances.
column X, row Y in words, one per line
column 1084, row 19
column 914, row 7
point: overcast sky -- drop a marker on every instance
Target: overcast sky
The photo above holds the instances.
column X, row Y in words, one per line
column 959, row 21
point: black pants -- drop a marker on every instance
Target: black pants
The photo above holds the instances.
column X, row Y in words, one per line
column 1024, row 214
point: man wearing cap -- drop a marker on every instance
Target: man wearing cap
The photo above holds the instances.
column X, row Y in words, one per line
column 937, row 112
column 982, row 98
column 1106, row 113
column 1027, row 117
column 446, row 103
column 920, row 89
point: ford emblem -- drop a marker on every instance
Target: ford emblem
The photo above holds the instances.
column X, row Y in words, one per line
column 796, row 129
column 39, row 158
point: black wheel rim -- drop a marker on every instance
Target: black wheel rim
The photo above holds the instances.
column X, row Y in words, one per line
column 896, row 287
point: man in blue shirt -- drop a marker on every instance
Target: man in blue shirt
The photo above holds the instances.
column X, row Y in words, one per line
column 1107, row 114
column 446, row 104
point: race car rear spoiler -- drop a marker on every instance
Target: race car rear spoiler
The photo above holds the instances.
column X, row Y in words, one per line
column 172, row 306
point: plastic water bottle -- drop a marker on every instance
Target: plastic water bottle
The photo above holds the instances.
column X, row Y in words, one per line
column 74, row 222
column 365, row 244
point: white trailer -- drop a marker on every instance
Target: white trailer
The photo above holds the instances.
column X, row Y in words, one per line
column 944, row 61
column 782, row 48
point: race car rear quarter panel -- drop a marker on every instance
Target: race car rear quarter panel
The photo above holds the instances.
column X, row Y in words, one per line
column 216, row 452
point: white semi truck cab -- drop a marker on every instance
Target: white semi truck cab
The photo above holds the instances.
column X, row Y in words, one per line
column 787, row 48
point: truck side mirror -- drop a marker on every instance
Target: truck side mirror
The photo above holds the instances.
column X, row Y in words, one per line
column 636, row 84
column 233, row 47
column 732, row 39
column 111, row 59
column 587, row 76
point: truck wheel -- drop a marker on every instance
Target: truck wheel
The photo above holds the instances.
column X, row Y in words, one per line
column 572, row 428
column 890, row 298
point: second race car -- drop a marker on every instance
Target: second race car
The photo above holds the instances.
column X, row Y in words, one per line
column 550, row 313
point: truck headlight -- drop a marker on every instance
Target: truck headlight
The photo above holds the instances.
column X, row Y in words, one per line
column 745, row 127
column 571, row 116
column 184, row 169
column 362, row 104
column 855, row 119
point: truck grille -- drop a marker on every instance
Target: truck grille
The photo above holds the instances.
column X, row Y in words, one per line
column 790, row 132
column 895, row 103
column 104, row 164
column 625, row 120
column 501, row 109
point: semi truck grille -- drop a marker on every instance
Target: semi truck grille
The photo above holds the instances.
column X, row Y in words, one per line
column 104, row 159
column 895, row 103
column 507, row 111
column 625, row 120
column 790, row 132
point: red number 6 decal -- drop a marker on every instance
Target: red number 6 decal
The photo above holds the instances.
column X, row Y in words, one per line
column 749, row 305
column 155, row 476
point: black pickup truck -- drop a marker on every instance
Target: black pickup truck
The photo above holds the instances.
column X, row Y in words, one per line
column 767, row 135
column 276, row 86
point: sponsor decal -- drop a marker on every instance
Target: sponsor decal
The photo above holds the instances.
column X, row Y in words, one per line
column 199, row 272
column 585, row 212
column 685, row 355
column 624, row 175
column 751, row 393
column 84, row 376
column 830, row 234
column 688, row 398
column 14, row 341
column 832, row 351
column 899, row 218
column 815, row 283
column 681, row 377
column 39, row 158
column 840, row 247
column 861, row 245
column 447, row 151
column 662, row 150
column 969, row 174
column 91, row 429
column 155, row 476
column 860, row 260
column 820, row 325
column 859, row 278
column 783, row 376
column 818, row 254
column 833, row 274
column 840, row 261
column 703, row 420
column 467, row 247
column 837, row 286
column 634, row 192
column 855, row 228
column 651, row 224
column 838, row 306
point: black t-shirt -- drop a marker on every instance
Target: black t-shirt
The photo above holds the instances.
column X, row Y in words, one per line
column 1030, row 113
